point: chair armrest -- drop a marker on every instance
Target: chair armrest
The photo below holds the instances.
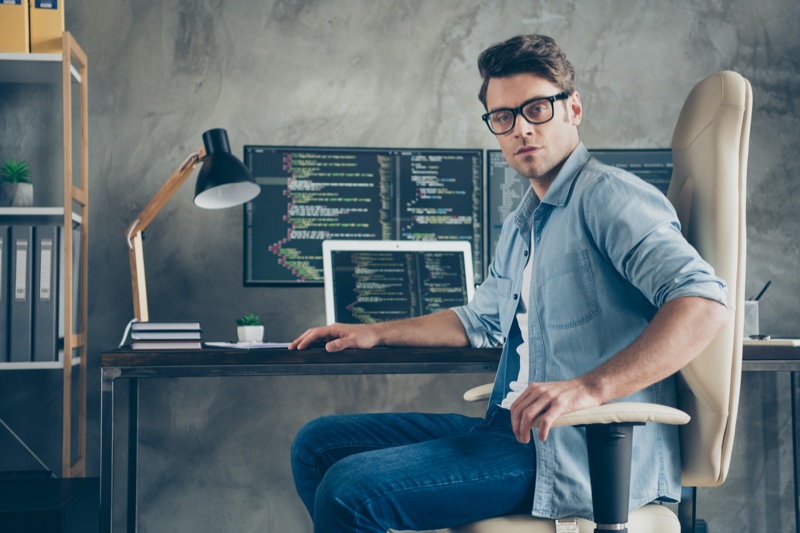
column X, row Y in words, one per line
column 610, row 413
column 481, row 392
column 624, row 412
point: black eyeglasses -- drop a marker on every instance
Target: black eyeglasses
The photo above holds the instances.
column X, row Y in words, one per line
column 535, row 111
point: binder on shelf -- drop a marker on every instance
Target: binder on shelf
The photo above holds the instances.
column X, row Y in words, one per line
column 21, row 308
column 45, row 292
column 5, row 326
column 76, row 283
column 46, row 26
column 14, row 26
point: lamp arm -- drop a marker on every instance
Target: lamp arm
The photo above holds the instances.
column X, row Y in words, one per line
column 165, row 193
column 134, row 232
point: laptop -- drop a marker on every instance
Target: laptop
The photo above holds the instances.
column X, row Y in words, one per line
column 368, row 281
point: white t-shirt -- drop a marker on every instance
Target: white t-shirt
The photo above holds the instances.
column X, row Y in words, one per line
column 519, row 386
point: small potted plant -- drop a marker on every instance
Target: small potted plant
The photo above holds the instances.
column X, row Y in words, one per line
column 16, row 189
column 249, row 328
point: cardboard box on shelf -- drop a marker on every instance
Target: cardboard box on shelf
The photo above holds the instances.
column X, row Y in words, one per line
column 47, row 26
column 14, row 27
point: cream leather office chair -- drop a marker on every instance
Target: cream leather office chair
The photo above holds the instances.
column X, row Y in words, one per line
column 708, row 190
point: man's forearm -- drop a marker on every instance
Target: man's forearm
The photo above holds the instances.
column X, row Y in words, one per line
column 680, row 330
column 438, row 329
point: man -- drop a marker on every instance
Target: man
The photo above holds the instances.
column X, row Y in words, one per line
column 596, row 297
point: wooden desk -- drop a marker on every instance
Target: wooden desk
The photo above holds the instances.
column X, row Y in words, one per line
column 212, row 362
column 134, row 365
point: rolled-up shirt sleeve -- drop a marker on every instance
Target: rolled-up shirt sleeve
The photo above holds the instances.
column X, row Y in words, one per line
column 645, row 244
column 481, row 316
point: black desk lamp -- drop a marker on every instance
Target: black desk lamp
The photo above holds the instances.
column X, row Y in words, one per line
column 223, row 181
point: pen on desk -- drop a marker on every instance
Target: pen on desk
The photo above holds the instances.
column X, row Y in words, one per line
column 760, row 294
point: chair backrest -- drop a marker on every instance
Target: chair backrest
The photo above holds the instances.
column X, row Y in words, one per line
column 708, row 189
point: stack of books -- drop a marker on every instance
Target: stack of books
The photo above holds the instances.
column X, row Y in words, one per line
column 166, row 336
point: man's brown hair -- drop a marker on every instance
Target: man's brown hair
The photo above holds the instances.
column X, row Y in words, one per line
column 533, row 54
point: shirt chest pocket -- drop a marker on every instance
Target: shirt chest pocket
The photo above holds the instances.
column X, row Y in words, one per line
column 568, row 290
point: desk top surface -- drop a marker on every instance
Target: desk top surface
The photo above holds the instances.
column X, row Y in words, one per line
column 282, row 356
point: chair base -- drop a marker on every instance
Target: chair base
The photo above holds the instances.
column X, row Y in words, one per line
column 652, row 518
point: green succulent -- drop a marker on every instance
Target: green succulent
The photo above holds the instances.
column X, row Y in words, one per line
column 249, row 320
column 16, row 172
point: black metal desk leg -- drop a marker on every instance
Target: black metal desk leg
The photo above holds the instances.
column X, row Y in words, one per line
column 108, row 377
column 133, row 452
column 795, row 441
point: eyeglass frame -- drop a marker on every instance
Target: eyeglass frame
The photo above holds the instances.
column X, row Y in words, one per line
column 518, row 111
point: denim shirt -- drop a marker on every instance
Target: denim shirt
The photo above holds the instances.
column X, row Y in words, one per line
column 608, row 254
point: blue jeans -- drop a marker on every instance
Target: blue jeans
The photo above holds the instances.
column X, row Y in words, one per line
column 367, row 473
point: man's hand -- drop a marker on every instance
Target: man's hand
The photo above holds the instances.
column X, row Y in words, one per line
column 337, row 337
column 546, row 402
column 442, row 328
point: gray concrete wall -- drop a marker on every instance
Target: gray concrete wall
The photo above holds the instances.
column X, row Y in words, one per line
column 377, row 73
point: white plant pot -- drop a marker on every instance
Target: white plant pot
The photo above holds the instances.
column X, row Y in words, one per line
column 16, row 194
column 250, row 333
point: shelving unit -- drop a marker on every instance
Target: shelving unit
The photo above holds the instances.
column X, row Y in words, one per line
column 71, row 66
column 37, row 212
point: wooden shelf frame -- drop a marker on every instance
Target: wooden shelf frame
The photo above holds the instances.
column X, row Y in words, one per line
column 75, row 197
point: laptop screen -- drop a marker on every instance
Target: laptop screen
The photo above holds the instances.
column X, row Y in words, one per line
column 376, row 281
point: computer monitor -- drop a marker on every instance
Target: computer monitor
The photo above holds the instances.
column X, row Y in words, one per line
column 505, row 187
column 309, row 194
column 377, row 281
column 504, row 190
column 653, row 165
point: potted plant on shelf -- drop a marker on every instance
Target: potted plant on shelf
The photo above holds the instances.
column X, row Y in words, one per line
column 16, row 189
column 250, row 328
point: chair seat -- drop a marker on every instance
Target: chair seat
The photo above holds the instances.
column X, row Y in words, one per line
column 651, row 518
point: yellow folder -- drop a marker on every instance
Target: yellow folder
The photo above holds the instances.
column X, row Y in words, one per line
column 14, row 35
column 47, row 26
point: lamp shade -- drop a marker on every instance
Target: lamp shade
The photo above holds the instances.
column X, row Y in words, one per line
column 223, row 181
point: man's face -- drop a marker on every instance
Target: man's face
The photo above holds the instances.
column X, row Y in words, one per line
column 536, row 151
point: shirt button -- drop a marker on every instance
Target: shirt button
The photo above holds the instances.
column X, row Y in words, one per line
column 525, row 253
column 515, row 296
